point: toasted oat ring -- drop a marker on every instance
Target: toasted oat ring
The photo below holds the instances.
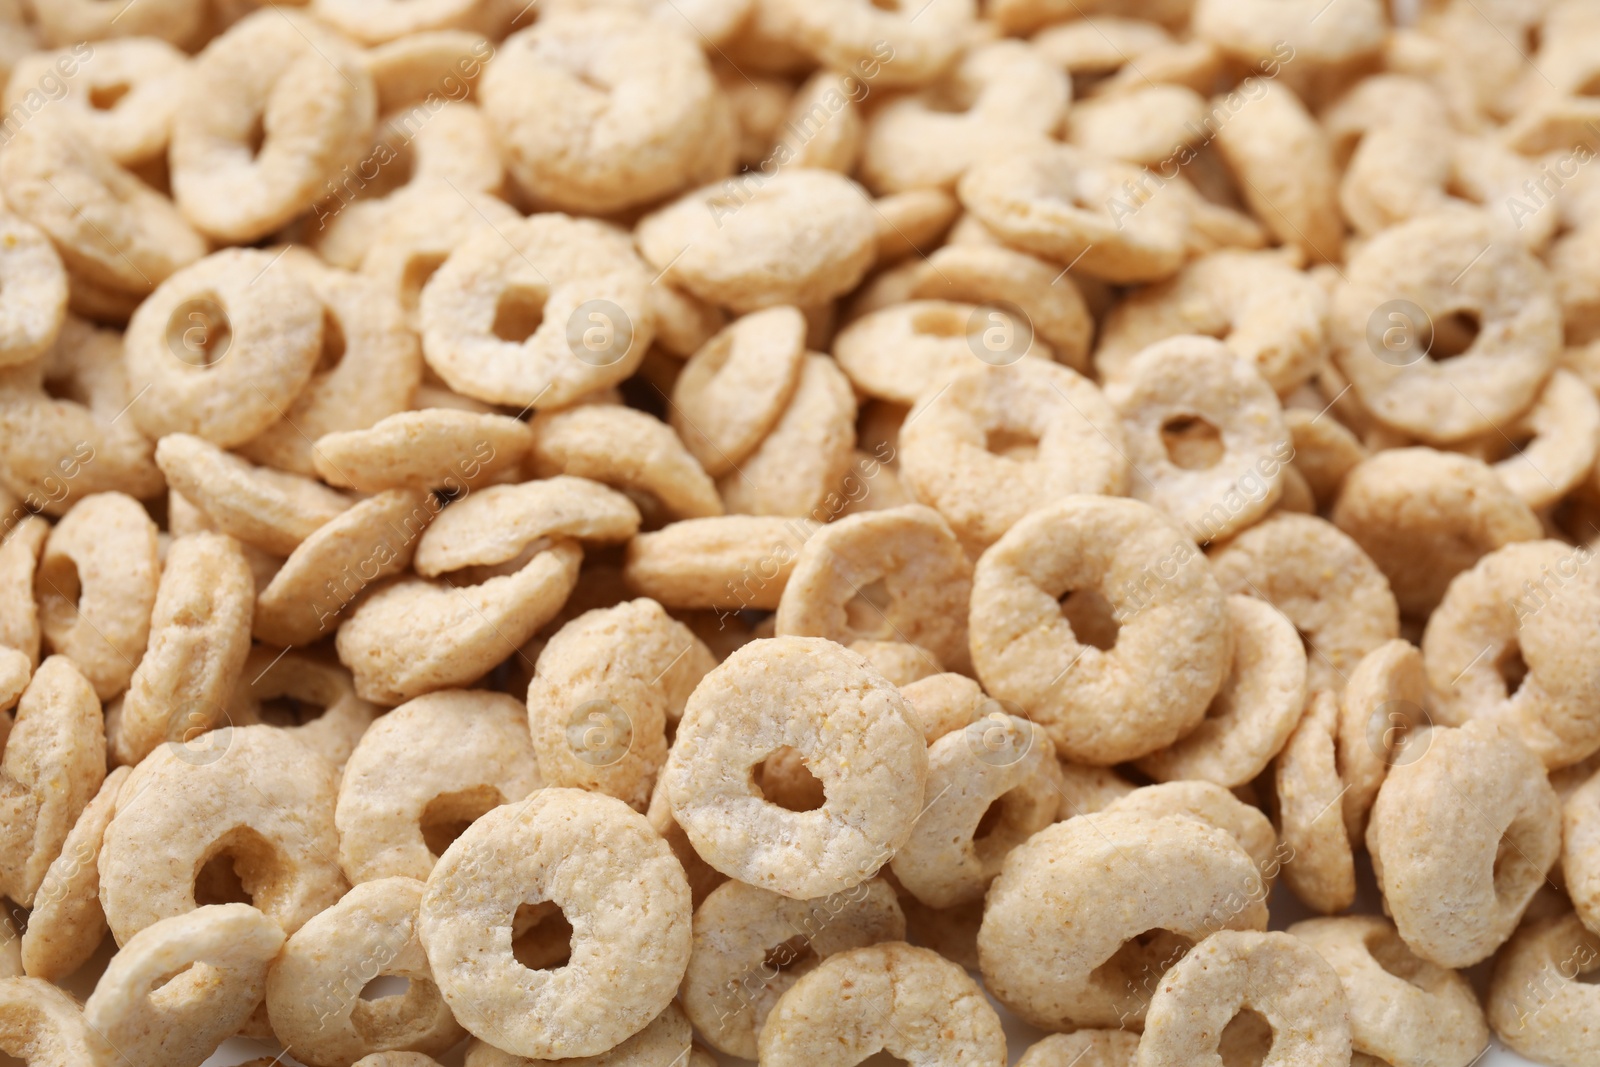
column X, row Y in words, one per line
column 1069, row 206
column 905, row 351
column 222, row 952
column 68, row 22
column 495, row 524
column 1317, row 576
column 1519, row 609
column 1171, row 653
column 375, row 23
column 1403, row 1010
column 666, row 1042
column 445, row 62
column 1089, row 881
column 19, row 564
column 1387, row 695
column 67, row 924
column 1580, row 849
column 314, row 988
column 33, row 291
column 41, row 1024
column 856, row 735
column 322, row 712
column 734, row 561
column 1540, row 1001
column 887, row 47
column 1380, row 340
column 1309, row 790
column 396, row 795
column 311, row 92
column 1325, row 451
column 823, row 125
column 1280, row 977
column 199, row 637
column 1565, row 427
column 436, row 448
column 733, row 390
column 752, row 946
column 1255, row 30
column 800, row 464
column 945, row 702
column 1000, row 442
column 1461, row 837
column 1150, row 125
column 96, row 586
column 1210, row 803
column 1084, row 1048
column 627, row 449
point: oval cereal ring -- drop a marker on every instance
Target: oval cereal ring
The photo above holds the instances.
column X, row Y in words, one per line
column 1111, row 929
column 435, row 448
column 666, row 1042
column 903, row 352
column 33, row 291
column 220, row 954
column 808, row 452
column 911, row 221
column 40, row 1022
column 1540, row 999
column 1386, row 697
column 683, row 323
column 733, row 391
column 752, row 946
column 855, row 733
column 67, row 923
column 1580, row 849
column 1127, row 685
column 730, row 562
column 946, row 702
column 1084, row 1048
column 376, row 23
column 496, row 524
column 306, row 696
column 823, row 126
column 1258, row 30
column 630, row 450
column 1210, row 803
column 1563, row 427
column 1309, row 789
column 890, row 47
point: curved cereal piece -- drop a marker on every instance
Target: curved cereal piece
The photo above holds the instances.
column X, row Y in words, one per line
column 683, row 323
column 946, row 702
column 1322, row 872
column 19, row 565
column 383, row 21
column 1386, row 696
column 898, row 661
column 67, row 923
column 1564, row 430
column 383, row 1059
column 432, row 448
column 143, row 77
column 310, row 699
column 1580, row 849
column 15, row 672
column 496, row 524
column 33, row 291
column 46, row 1024
column 1151, row 125
column 630, row 450
column 1257, row 30
column 734, row 389
column 1084, row 1048
column 1325, row 452
column 442, row 62
column 1539, row 999
column 703, row 877
column 901, row 47
column 1212, row 804
column 823, row 125
column 730, row 562
column 807, row 453
column 666, row 1041
column 908, row 350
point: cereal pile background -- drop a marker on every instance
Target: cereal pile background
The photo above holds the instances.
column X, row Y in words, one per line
column 664, row 533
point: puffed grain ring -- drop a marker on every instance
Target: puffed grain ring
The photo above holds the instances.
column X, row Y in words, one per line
column 1309, row 789
column 376, row 23
column 734, row 389
column 67, row 923
column 887, row 47
column 1325, row 451
column 1084, row 1048
column 1580, row 849
column 823, row 125
column 33, row 291
column 1387, row 695
column 903, row 352
column 703, row 877
column 141, row 77
column 856, row 734
column 19, row 565
column 39, row 1022
column 446, row 62
column 1563, row 431
column 730, row 562
column 1171, row 650
column 945, row 702
column 306, row 696
column 1257, row 30
column 435, row 448
column 1540, row 1000
column 71, row 22
column 1210, row 803
column 911, row 221
column 801, row 463
column 496, row 524
column 630, row 450
column 666, row 1042
column 1146, row 124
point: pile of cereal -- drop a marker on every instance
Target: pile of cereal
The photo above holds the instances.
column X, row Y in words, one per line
column 657, row 533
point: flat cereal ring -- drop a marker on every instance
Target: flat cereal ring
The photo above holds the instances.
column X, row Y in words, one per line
column 1309, row 789
column 894, row 47
column 1256, row 30
column 498, row 523
column 41, row 1024
column 1124, row 899
column 220, row 953
column 1540, row 1000
column 19, row 565
column 1152, row 684
column 1001, row 442
column 910, row 1002
column 732, row 391
column 376, row 23
column 1210, row 803
column 855, row 733
column 1387, row 695
column 33, row 291
column 627, row 449
column 1461, row 837
column 143, row 77
column 1085, row 1048
column 628, row 905
column 808, row 452
column 67, row 923
column 903, row 352
column 397, row 802
column 733, row 561
column 1580, row 850
column 307, row 697
column 664, row 1043
column 429, row 449
column 752, row 946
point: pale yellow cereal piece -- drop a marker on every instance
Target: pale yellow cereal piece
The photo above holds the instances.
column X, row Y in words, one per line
column 33, row 300
column 629, row 450
column 908, row 350
column 121, row 93
column 1210, row 803
column 1309, row 789
column 664, row 1043
column 1084, row 1048
column 1386, row 697
column 734, row 561
column 408, row 68
column 735, row 388
column 1325, row 451
column 19, row 564
column 305, row 695
column 429, row 449
column 496, row 524
column 805, row 456
column 1580, row 847
column 888, row 47
column 1540, row 1002
column 42, row 1022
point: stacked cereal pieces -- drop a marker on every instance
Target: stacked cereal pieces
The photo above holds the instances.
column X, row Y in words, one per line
column 667, row 532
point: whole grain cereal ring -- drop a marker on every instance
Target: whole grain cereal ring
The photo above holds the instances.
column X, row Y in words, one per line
column 96, row 586
column 442, row 62
column 390, row 20
column 1325, row 451
column 1387, row 695
column 1540, row 999
column 628, row 905
column 898, row 661
column 1563, row 431
column 1118, row 898
column 751, row 946
column 855, row 733
column 1309, row 791
column 1100, row 215
column 808, row 452
column 537, row 312
column 398, row 803
column 67, row 923
column 495, row 524
column 1210, row 803
column 1580, row 849
column 276, row 108
column 435, row 448
column 1504, row 305
column 220, row 954
column 1000, row 442
column 703, row 877
column 733, row 391
column 1281, row 978
column 1257, row 30
column 122, row 93
column 607, row 685
column 1316, row 575
column 199, row 638
column 1506, row 645
column 41, row 1024
column 1147, row 125
column 54, row 763
column 912, row 221
column 903, row 352
column 799, row 237
column 1127, row 685
column 683, row 323
column 1461, row 838
column 945, row 702
column 666, row 1042
column 1085, row 1048
column 387, row 1059
column 254, row 796
column 33, row 291
column 630, row 450
column 731, row 562
column 306, row 696
column 892, row 47
column 1403, row 1010
column 822, row 127
column 19, row 565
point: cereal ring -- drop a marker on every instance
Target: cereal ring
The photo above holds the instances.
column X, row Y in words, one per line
column 733, row 391
column 220, row 954
column 735, row 561
column 122, row 94
column 856, row 735
column 1507, row 645
column 40, row 1023
column 199, row 638
column 1146, row 674
column 375, row 23
column 664, row 1043
column 628, row 906
column 1542, row 977
column 807, row 453
column 703, row 877
column 1257, row 30
column 432, row 448
column 897, row 661
column 1124, row 898
column 1309, row 790
column 276, row 108
column 19, row 564
column 1210, row 803
column 33, row 291
column 407, row 69
column 1403, row 1009
column 683, row 323
column 1461, row 837
column 888, row 47
column 741, row 931
column 307, row 697
column 1385, row 697
column 822, row 128
column 1147, row 125
column 910, row 1002
column 1563, row 428
column 628, row 449
column 1001, row 442
column 1281, row 978
column 912, row 223
column 96, row 586
column 67, row 924
column 799, row 237
column 945, row 702
column 1086, row 1048
column 496, row 524
column 1317, row 576
column 606, row 686
column 1325, row 451
column 1580, row 853
column 903, row 352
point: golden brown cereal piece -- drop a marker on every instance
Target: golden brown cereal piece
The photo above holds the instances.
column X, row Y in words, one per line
column 628, row 905
column 1403, row 1009
column 1309, row 789
column 733, row 391
column 310, row 91
column 1506, row 645
column 665, row 1042
column 496, row 524
column 1325, row 451
column 802, row 461
column 1085, row 1048
column 67, row 924
column 1281, row 978
column 1540, row 1000
column 799, row 237
column 606, row 686
column 905, row 351
column 308, row 697
column 752, row 946
column 1118, row 670
column 398, row 802
column 199, row 637
column 627, row 449
column 96, row 586
column 1461, row 836
column 220, row 953
column 1088, row 913
column 885, row 47
column 1003, row 441
column 19, row 563
column 734, row 561
column 1580, row 849
column 910, row 1002
column 853, row 730
column 430, row 449
column 33, row 300
column 1317, row 576
column 40, row 1022
column 1387, row 696
column 1210, row 803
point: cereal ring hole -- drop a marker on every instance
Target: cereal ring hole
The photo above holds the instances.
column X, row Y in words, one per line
column 239, row 863
column 545, row 943
column 1192, row 443
column 418, row 269
column 866, row 613
column 286, row 710
column 789, row 957
column 1512, row 668
column 106, row 97
column 333, row 342
column 256, row 137
column 784, row 779
column 939, row 322
column 1247, row 1040
column 1011, row 443
column 1450, row 335
column 1141, row 961
column 58, row 575
column 189, row 984
column 199, row 332
column 385, row 985
column 390, row 1005
column 519, row 312
column 1513, row 871
column 448, row 815
column 1092, row 618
